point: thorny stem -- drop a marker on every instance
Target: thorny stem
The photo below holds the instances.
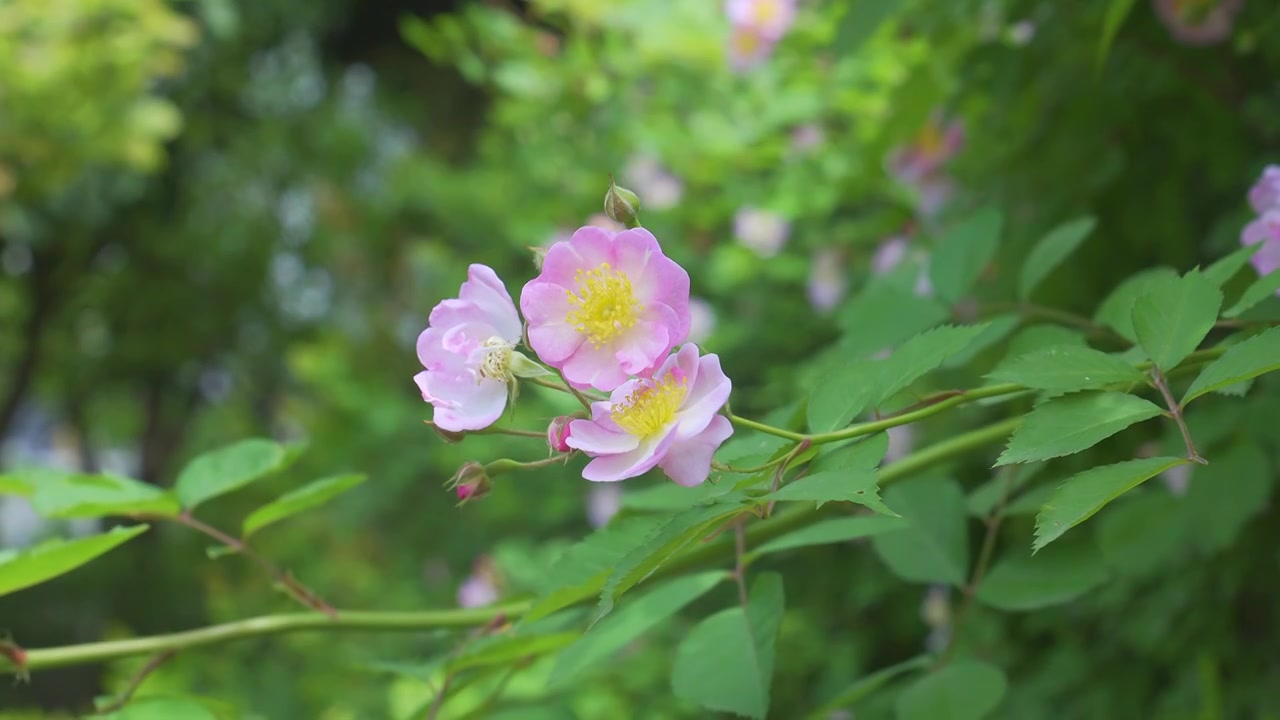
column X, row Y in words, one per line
column 381, row 621
column 1175, row 411
column 136, row 681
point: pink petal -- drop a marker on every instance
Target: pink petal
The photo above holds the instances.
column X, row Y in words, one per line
column 611, row 468
column 460, row 402
column 707, row 394
column 588, row 248
column 643, row 346
column 485, row 290
column 594, row 440
column 593, row 367
column 688, row 462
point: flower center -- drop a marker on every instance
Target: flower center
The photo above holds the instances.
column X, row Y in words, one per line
column 604, row 305
column 651, row 405
column 497, row 359
column 766, row 12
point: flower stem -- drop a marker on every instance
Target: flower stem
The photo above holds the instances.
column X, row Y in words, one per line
column 1175, row 411
column 136, row 682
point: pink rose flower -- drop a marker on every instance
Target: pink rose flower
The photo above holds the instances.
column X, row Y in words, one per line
column 606, row 306
column 558, row 434
column 466, row 350
column 1198, row 22
column 770, row 19
column 669, row 421
column 748, row 48
column 1265, row 194
column 1265, row 230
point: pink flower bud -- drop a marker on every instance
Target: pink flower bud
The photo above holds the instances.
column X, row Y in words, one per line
column 558, row 434
column 470, row 482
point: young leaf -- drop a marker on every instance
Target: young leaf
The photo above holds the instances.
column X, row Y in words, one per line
column 995, row 329
column 1116, row 310
column 1227, row 493
column 1173, row 315
column 1059, row 243
column 1074, row 423
column 835, row 530
column 82, row 496
column 726, row 662
column 963, row 252
column 507, row 649
column 308, row 496
column 964, row 690
column 23, row 568
column 854, row 481
column 634, row 619
column 672, row 537
column 1258, row 355
column 983, row 501
column 1085, row 493
column 1037, row 337
column 1261, row 289
column 866, row 685
column 935, row 547
column 1144, row 534
column 226, row 469
column 1066, row 368
column 1029, row 582
column 1226, row 268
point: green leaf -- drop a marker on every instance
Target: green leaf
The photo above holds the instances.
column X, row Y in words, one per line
column 226, row 469
column 964, row 690
column 164, row 708
column 835, row 530
column 672, row 537
column 667, row 496
column 883, row 316
column 1038, row 337
column 1085, row 493
column 1258, row 355
column 869, row 684
column 82, row 496
column 583, row 568
column 1077, row 422
column 308, row 496
column 1226, row 494
column 1066, row 368
column 1024, row 581
column 1117, row 11
column 860, row 23
column 854, row 481
column 1006, row 484
column 995, row 329
column 12, row 485
column 1055, row 247
column 634, row 619
column 23, row 568
column 1261, row 289
column 508, row 649
column 726, row 662
column 963, row 251
column 1116, row 310
column 1143, row 534
column 935, row 548
column 1173, row 315
column 1226, row 268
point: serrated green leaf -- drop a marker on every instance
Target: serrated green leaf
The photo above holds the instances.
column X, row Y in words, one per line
column 1258, row 355
column 1077, row 422
column 1144, row 534
column 835, row 530
column 726, row 662
column 1030, row 502
column 81, row 496
column 997, row 328
column 1085, row 493
column 1259, row 290
column 869, row 684
column 634, row 619
column 1227, row 493
column 226, row 469
column 1038, row 337
column 884, row 316
column 507, row 649
column 935, row 548
column 1023, row 581
column 23, row 568
column 1055, row 247
column 1116, row 311
column 964, row 690
column 1066, row 368
column 1226, row 268
column 963, row 252
column 667, row 496
column 1173, row 315
column 854, row 481
column 670, row 538
column 308, row 496
column 163, row 708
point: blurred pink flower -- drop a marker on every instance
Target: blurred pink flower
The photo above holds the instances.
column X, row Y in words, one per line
column 1265, row 193
column 466, row 350
column 748, row 48
column 1198, row 22
column 702, row 320
column 656, row 187
column 889, row 254
column 763, row 231
column 1266, row 230
column 827, row 279
column 769, row 18
column 481, row 586
column 604, row 500
column 807, row 137
column 935, row 144
column 606, row 306
column 670, row 421
column 601, row 221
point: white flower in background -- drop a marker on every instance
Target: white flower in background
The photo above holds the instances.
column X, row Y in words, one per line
column 604, row 500
column 827, row 279
column 702, row 320
column 763, row 231
column 902, row 439
column 481, row 586
column 1177, row 479
column 657, row 187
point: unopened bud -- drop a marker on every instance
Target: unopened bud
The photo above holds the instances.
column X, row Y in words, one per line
column 558, row 434
column 622, row 205
column 522, row 366
column 470, row 482
column 539, row 255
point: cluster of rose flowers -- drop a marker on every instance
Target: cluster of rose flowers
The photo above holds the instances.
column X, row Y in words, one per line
column 609, row 312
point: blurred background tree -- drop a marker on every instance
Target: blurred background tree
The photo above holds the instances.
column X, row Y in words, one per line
column 224, row 218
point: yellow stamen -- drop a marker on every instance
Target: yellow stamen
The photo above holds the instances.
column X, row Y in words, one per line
column 651, row 406
column 496, row 361
column 604, row 305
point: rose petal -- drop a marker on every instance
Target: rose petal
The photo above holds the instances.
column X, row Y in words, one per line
column 688, row 462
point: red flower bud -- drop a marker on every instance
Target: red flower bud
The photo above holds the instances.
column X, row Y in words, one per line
column 558, row 434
